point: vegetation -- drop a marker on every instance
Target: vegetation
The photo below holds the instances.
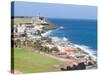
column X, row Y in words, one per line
column 49, row 26
column 21, row 20
column 18, row 43
column 48, row 39
column 27, row 61
column 54, row 49
column 38, row 45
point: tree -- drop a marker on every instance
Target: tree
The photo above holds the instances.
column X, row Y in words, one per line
column 49, row 40
column 37, row 44
column 55, row 49
column 18, row 43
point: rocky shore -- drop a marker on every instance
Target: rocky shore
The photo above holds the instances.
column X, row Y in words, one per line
column 30, row 34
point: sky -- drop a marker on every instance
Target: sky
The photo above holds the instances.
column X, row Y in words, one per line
column 54, row 10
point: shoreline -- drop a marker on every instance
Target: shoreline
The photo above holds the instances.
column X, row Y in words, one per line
column 49, row 31
column 83, row 47
column 61, row 47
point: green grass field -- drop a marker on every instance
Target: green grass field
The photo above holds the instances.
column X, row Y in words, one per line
column 27, row 61
column 22, row 20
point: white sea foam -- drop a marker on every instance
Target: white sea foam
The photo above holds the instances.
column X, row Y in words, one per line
column 64, row 39
column 47, row 33
column 61, row 27
column 87, row 49
column 50, row 31
column 55, row 38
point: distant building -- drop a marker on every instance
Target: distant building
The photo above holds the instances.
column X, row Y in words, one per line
column 38, row 20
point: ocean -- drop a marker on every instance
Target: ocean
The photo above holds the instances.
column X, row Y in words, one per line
column 80, row 32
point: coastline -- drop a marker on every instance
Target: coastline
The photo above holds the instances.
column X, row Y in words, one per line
column 85, row 48
column 59, row 47
column 49, row 31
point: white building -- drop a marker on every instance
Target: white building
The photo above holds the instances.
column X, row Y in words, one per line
column 21, row 28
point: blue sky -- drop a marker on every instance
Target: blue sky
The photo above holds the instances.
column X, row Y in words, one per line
column 55, row 10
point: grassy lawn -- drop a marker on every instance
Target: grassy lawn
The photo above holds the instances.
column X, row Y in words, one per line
column 22, row 20
column 30, row 62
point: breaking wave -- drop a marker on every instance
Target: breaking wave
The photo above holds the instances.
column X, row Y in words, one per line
column 50, row 31
column 47, row 33
column 61, row 27
column 85, row 48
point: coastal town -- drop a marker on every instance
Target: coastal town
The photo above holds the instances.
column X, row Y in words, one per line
column 33, row 36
